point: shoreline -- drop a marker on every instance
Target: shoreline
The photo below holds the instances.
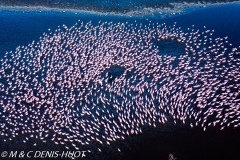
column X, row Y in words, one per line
column 163, row 12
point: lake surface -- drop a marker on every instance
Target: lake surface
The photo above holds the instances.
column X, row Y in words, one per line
column 20, row 28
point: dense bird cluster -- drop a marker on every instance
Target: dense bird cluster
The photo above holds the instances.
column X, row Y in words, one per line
column 101, row 83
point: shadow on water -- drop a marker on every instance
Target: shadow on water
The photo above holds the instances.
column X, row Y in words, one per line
column 189, row 144
column 155, row 144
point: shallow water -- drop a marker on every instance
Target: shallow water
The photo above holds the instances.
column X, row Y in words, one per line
column 108, row 6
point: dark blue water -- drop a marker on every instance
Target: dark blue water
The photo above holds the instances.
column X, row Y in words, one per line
column 21, row 28
column 225, row 20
